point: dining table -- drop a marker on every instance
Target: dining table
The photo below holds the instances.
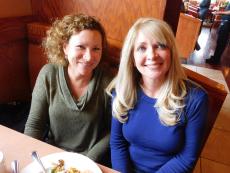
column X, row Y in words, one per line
column 16, row 146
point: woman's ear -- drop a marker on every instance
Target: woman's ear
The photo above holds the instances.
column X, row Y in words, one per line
column 65, row 48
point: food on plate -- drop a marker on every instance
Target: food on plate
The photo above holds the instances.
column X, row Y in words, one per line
column 60, row 168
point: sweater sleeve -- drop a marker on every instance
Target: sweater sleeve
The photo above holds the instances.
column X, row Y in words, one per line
column 38, row 115
column 99, row 149
column 119, row 148
column 194, row 131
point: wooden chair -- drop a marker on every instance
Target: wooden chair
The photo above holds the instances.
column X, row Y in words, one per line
column 187, row 33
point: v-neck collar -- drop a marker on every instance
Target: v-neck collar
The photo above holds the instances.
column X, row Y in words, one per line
column 72, row 103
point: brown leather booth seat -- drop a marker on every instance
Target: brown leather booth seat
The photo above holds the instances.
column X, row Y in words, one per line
column 14, row 79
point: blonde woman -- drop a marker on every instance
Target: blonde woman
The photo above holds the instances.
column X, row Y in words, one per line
column 158, row 115
column 69, row 99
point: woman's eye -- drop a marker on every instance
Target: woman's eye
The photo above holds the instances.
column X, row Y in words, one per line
column 161, row 46
column 80, row 47
column 96, row 49
column 141, row 48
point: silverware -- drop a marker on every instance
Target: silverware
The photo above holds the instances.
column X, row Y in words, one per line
column 36, row 158
column 15, row 166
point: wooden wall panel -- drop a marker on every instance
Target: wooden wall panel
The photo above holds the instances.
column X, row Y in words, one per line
column 14, row 8
column 116, row 16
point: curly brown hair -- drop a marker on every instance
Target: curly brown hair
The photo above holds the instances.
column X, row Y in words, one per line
column 61, row 31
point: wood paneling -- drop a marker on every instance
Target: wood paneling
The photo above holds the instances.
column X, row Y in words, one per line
column 14, row 8
column 116, row 15
column 209, row 166
column 14, row 77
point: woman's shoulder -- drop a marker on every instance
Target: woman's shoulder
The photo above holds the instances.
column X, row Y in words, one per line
column 194, row 87
column 195, row 91
column 48, row 70
column 48, row 73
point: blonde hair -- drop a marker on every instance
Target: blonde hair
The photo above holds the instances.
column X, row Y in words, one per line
column 63, row 29
column 170, row 101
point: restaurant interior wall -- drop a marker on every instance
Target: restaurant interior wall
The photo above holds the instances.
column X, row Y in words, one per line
column 15, row 8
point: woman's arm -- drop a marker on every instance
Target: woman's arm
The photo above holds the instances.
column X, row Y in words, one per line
column 119, row 148
column 38, row 116
column 185, row 160
column 100, row 149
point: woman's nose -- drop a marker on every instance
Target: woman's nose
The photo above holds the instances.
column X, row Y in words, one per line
column 87, row 55
column 151, row 54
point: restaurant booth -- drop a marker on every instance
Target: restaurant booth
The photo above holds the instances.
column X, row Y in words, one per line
column 22, row 57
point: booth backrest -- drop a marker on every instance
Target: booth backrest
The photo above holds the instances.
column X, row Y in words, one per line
column 14, row 79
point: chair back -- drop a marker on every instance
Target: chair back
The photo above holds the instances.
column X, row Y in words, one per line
column 187, row 33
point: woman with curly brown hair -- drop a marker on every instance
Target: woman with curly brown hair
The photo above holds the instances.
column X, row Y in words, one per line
column 69, row 96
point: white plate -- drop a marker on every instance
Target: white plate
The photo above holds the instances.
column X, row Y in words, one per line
column 1, row 157
column 75, row 160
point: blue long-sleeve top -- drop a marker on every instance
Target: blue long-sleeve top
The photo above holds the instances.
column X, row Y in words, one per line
column 144, row 145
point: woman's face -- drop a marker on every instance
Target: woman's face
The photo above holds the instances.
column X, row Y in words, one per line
column 84, row 51
column 151, row 58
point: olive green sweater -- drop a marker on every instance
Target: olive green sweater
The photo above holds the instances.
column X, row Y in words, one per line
column 81, row 125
